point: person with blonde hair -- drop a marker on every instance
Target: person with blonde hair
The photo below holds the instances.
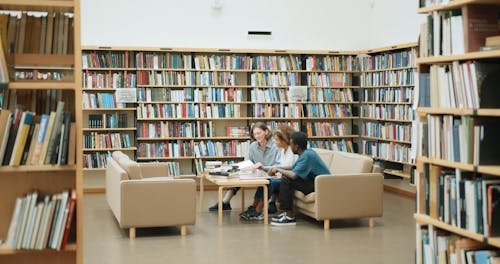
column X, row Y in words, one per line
column 262, row 152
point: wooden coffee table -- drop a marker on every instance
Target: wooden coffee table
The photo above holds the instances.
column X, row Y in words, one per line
column 225, row 183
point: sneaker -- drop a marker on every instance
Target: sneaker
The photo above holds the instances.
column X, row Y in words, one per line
column 252, row 215
column 215, row 207
column 246, row 214
column 277, row 217
column 284, row 220
column 272, row 208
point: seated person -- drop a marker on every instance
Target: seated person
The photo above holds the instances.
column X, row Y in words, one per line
column 301, row 177
column 262, row 151
column 282, row 140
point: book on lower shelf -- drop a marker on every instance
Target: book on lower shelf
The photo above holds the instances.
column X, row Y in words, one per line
column 35, row 140
column 42, row 223
column 462, row 199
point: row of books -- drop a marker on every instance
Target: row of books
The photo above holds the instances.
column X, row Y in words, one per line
column 398, row 112
column 337, row 145
column 269, row 95
column 276, row 110
column 94, row 140
column 42, row 33
column 445, row 33
column 329, row 95
column 116, row 120
column 42, row 223
column 279, row 62
column 327, row 129
column 95, row 160
column 274, row 125
column 468, row 85
column 108, row 80
column 327, row 110
column 274, row 79
column 209, row 94
column 222, row 62
column 388, row 60
column 41, row 75
column 331, row 63
column 387, row 130
column 164, row 129
column 329, row 79
column 100, row 100
column 188, row 78
column 441, row 247
column 462, row 199
column 461, row 139
column 30, row 140
column 188, row 110
column 237, row 131
column 221, row 149
column 389, row 151
column 190, row 148
column 128, row 59
column 390, row 78
column 38, row 101
column 393, row 95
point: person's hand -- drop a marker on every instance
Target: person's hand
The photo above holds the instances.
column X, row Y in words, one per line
column 258, row 166
column 273, row 171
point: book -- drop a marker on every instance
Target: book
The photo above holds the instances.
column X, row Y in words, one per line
column 29, row 156
column 14, row 223
column 40, row 136
column 56, row 133
column 69, row 221
column 9, row 148
column 22, row 135
column 46, row 139
column 71, row 144
column 5, row 122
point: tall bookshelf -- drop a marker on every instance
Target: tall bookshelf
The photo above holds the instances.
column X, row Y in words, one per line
column 458, row 128
column 54, row 72
column 190, row 101
column 387, row 89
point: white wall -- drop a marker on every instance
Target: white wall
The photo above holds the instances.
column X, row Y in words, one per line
column 393, row 22
column 296, row 24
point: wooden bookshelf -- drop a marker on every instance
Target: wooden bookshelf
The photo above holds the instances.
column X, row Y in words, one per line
column 436, row 165
column 456, row 4
column 16, row 181
column 385, row 139
column 398, row 173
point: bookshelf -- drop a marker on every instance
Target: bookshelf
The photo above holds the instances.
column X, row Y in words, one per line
column 457, row 114
column 43, row 70
column 387, row 89
column 187, row 99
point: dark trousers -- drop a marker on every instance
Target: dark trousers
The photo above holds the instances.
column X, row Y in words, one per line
column 288, row 186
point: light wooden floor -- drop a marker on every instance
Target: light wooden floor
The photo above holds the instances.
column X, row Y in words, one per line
column 349, row 241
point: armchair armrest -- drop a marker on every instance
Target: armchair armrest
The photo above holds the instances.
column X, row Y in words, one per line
column 114, row 175
column 341, row 196
column 158, row 201
column 153, row 169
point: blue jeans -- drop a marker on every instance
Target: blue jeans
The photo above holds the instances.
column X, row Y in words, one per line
column 272, row 187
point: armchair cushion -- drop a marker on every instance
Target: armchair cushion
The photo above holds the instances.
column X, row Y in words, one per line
column 310, row 198
column 344, row 162
column 131, row 167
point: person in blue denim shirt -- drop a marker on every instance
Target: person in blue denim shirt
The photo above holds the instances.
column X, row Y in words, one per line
column 282, row 140
column 262, row 151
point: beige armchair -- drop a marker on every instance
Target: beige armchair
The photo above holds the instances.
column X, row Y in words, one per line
column 140, row 197
column 353, row 190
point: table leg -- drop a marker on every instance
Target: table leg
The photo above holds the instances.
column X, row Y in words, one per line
column 202, row 187
column 242, row 191
column 220, row 205
column 266, row 205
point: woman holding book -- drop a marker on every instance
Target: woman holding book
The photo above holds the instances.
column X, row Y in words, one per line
column 262, row 152
column 282, row 140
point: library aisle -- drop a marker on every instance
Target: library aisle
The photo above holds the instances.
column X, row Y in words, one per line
column 349, row 241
